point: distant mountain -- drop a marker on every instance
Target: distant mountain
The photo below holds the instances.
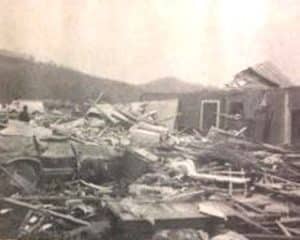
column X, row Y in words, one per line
column 22, row 77
column 170, row 85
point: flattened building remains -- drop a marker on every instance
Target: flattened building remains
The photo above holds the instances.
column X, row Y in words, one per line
column 215, row 164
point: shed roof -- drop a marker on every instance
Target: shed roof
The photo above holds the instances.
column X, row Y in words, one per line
column 271, row 74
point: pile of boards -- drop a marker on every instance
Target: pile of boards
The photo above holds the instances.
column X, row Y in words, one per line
column 173, row 185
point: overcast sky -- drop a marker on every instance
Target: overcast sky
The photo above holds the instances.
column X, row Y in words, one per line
column 200, row 41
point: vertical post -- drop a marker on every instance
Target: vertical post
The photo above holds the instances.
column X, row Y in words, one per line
column 245, row 185
column 201, row 114
column 230, row 190
column 287, row 120
column 218, row 114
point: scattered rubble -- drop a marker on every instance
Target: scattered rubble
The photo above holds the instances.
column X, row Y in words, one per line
column 117, row 172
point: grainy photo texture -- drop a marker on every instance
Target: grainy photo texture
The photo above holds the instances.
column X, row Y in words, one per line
column 149, row 119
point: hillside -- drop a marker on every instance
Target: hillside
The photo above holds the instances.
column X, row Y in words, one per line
column 170, row 85
column 22, row 77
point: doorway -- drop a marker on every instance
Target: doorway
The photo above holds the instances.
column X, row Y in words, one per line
column 209, row 114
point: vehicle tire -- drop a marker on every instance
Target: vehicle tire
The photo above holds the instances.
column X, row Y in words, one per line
column 25, row 172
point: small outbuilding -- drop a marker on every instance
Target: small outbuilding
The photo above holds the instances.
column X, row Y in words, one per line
column 260, row 99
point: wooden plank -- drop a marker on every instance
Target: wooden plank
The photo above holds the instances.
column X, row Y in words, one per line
column 282, row 179
column 143, row 137
column 248, row 206
column 252, row 223
column 46, row 211
column 212, row 209
column 269, row 237
column 96, row 228
column 220, row 178
column 283, row 228
column 293, row 230
column 101, row 189
column 290, row 220
column 56, row 198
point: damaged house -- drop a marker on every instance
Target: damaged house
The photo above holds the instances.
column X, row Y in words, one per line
column 260, row 100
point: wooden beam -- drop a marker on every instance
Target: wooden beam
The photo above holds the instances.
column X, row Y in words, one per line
column 283, row 229
column 269, row 237
column 220, row 178
column 45, row 211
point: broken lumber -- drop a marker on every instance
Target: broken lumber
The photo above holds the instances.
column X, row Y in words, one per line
column 187, row 196
column 273, row 148
column 282, row 179
column 146, row 115
column 153, row 128
column 212, row 209
column 143, row 153
column 95, row 229
column 251, row 222
column 254, row 236
column 220, row 178
column 283, row 229
column 248, row 206
column 56, row 198
column 144, row 137
column 101, row 189
column 66, row 217
column 290, row 220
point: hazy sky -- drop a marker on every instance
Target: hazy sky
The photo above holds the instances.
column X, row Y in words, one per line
column 200, row 41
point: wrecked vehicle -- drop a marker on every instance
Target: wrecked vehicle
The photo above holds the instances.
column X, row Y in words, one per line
column 53, row 159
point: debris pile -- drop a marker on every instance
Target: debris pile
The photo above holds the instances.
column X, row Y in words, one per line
column 120, row 172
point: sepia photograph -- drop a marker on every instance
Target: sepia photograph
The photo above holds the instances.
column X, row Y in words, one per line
column 149, row 120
